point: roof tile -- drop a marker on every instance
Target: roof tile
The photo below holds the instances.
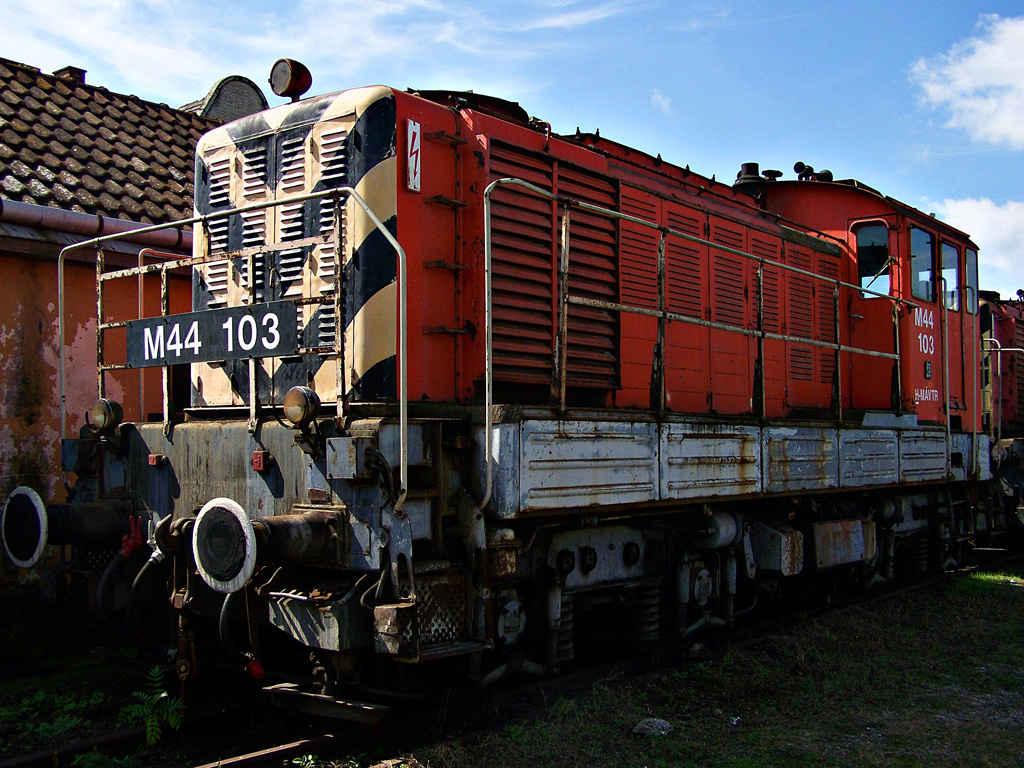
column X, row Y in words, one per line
column 12, row 185
column 86, row 199
column 62, row 193
column 82, row 147
column 20, row 170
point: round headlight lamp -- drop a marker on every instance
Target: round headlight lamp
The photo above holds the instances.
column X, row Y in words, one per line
column 301, row 405
column 106, row 414
column 289, row 78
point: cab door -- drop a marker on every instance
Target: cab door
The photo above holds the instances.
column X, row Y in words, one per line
column 872, row 326
column 921, row 332
column 957, row 345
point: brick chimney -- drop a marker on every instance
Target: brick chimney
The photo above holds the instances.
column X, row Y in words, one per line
column 74, row 74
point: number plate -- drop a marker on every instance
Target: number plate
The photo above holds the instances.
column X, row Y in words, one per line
column 232, row 333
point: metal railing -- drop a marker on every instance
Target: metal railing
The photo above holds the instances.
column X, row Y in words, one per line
column 163, row 268
column 661, row 313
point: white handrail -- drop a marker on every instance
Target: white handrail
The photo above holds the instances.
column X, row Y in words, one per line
column 204, row 219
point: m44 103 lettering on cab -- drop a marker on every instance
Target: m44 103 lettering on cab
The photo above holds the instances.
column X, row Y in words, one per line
column 232, row 333
column 924, row 320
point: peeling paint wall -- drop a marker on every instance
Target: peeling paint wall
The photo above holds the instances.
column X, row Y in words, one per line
column 29, row 363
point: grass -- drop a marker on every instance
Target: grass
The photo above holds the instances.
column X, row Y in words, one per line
column 935, row 678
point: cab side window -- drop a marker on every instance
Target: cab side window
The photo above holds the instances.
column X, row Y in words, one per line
column 873, row 258
column 971, row 298
column 922, row 264
column 951, row 276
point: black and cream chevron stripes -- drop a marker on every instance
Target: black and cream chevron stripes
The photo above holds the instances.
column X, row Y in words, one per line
column 346, row 139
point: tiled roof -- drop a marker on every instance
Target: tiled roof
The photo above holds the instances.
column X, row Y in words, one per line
column 65, row 144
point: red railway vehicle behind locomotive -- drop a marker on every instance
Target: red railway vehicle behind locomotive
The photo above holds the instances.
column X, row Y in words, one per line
column 456, row 380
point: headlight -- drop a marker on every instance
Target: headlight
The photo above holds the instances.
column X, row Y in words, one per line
column 106, row 414
column 301, row 405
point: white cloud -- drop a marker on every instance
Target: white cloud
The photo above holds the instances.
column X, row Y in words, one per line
column 981, row 82
column 999, row 232
column 174, row 51
column 661, row 101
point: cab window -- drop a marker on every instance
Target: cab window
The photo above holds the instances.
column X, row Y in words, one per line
column 951, row 276
column 873, row 258
column 971, row 299
column 922, row 265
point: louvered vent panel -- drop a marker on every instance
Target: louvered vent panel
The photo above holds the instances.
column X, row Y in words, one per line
column 255, row 173
column 333, row 174
column 216, row 273
column 526, row 236
column 685, row 263
column 592, row 354
column 290, row 262
column 1018, row 363
column 800, row 305
column 728, row 275
column 220, row 199
column 828, row 266
column 523, row 237
column 217, row 283
column 639, row 251
column 761, row 245
column 254, row 233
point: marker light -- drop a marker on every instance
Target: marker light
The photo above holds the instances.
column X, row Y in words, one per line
column 301, row 405
column 290, row 78
column 106, row 414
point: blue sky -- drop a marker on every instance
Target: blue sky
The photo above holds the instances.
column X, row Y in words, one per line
column 923, row 101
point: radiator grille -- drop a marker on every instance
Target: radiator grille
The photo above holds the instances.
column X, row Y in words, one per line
column 526, row 232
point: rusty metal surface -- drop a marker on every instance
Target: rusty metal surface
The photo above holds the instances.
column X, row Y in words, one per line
column 700, row 460
column 438, row 618
column 922, row 455
column 868, row 457
column 800, row 459
column 842, row 542
column 548, row 464
column 211, row 459
column 335, row 625
column 582, row 464
column 606, row 548
column 777, row 547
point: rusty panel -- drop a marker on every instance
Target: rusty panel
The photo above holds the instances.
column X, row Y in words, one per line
column 868, row 457
column 568, row 464
column 922, row 455
column 841, row 542
column 699, row 460
column 777, row 547
column 438, row 617
column 800, row 459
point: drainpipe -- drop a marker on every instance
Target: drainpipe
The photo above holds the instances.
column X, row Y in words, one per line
column 90, row 225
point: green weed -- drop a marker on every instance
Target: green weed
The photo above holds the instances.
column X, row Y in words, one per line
column 154, row 709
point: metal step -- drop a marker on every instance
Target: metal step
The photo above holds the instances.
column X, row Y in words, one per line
column 291, row 696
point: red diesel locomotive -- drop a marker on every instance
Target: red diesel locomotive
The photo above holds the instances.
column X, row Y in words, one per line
column 455, row 380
